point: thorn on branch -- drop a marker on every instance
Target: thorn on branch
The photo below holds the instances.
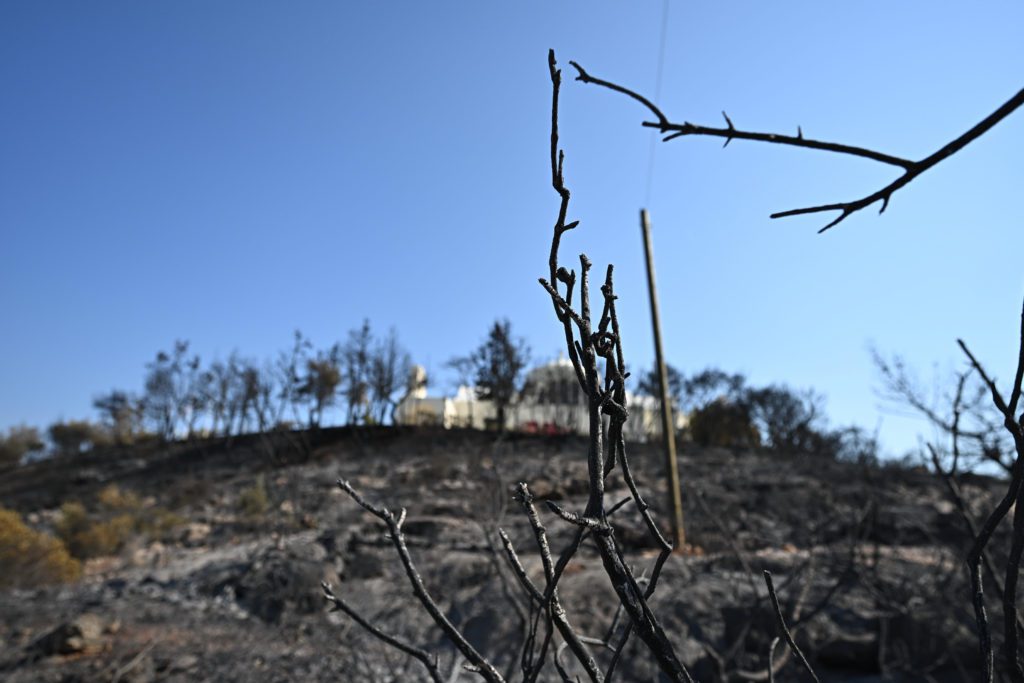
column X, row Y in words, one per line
column 731, row 128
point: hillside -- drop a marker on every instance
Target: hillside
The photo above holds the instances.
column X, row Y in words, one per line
column 867, row 560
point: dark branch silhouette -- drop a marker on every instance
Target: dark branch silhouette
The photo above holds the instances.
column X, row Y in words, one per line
column 781, row 622
column 1013, row 498
column 911, row 168
column 394, row 524
column 429, row 660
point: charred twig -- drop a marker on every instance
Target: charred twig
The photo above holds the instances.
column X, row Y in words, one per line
column 429, row 661
column 485, row 668
column 781, row 622
column 550, row 600
column 956, row 495
column 911, row 168
column 771, row 659
column 519, row 570
column 502, row 579
column 586, row 349
column 1014, row 495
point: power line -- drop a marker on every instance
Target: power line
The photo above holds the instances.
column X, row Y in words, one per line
column 657, row 95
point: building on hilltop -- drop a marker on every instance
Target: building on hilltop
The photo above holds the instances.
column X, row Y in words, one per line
column 551, row 402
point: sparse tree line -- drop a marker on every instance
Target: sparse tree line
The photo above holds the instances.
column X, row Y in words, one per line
column 183, row 397
column 361, row 380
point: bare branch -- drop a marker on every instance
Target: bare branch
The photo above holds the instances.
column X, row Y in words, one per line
column 486, row 669
column 771, row 659
column 520, row 571
column 911, row 169
column 428, row 660
column 588, row 523
column 585, row 349
column 1018, row 377
column 781, row 622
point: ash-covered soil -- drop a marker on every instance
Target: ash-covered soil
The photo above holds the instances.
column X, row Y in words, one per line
column 867, row 561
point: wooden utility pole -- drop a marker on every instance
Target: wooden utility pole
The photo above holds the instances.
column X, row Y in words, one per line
column 668, row 431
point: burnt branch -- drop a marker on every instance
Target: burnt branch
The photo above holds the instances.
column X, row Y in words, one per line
column 519, row 570
column 587, row 348
column 394, row 525
column 911, row 168
column 974, row 433
column 771, row 659
column 550, row 601
column 1013, row 498
column 429, row 661
column 783, row 629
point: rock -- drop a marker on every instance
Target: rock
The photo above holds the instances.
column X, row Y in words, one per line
column 364, row 565
column 149, row 556
column 850, row 651
column 277, row 581
column 78, row 635
column 184, row 662
column 430, row 528
column 543, row 488
column 139, row 671
column 306, row 550
column 195, row 533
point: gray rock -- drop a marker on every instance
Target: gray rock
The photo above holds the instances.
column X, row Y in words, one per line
column 82, row 633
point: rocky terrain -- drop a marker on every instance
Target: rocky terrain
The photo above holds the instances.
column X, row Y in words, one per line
column 867, row 561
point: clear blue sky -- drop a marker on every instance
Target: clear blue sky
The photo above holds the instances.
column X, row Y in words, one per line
column 228, row 172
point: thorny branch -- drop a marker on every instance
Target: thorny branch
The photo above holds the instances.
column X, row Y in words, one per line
column 911, row 168
column 587, row 348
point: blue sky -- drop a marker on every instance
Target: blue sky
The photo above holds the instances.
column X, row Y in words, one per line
column 228, row 172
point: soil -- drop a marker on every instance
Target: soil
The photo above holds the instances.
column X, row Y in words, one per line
column 867, row 559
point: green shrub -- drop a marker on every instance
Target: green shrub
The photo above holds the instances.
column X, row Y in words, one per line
column 722, row 423
column 113, row 499
column 254, row 501
column 120, row 517
column 74, row 436
column 86, row 537
column 29, row 558
column 19, row 441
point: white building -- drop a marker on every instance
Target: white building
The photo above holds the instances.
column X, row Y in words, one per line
column 551, row 402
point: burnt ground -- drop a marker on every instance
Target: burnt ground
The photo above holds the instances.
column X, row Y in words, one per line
column 867, row 560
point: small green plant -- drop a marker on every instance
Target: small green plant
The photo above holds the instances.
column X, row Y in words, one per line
column 113, row 499
column 253, row 501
